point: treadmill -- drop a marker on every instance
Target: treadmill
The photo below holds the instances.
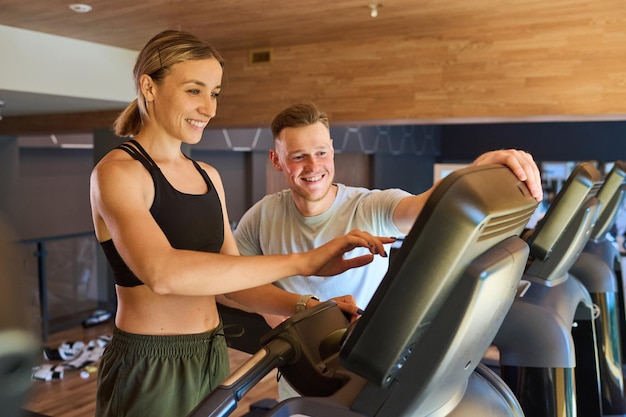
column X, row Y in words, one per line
column 598, row 269
column 416, row 350
column 538, row 355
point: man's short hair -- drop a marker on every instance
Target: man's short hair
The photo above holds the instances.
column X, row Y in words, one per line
column 298, row 115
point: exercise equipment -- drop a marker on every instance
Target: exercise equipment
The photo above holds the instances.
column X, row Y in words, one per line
column 417, row 348
column 596, row 268
column 19, row 348
column 536, row 340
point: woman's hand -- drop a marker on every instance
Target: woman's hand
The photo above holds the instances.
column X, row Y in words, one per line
column 328, row 259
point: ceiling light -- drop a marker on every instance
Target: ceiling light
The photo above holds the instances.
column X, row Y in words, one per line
column 374, row 9
column 80, row 7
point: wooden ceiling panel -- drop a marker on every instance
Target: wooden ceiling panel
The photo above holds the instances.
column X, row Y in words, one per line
column 418, row 60
column 246, row 24
column 229, row 24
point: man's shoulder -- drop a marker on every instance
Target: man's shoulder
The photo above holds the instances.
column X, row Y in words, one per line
column 271, row 203
column 278, row 197
column 352, row 189
column 356, row 191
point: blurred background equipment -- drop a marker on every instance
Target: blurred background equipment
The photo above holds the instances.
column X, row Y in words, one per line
column 19, row 348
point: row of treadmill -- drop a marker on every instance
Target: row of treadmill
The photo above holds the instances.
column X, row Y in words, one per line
column 469, row 278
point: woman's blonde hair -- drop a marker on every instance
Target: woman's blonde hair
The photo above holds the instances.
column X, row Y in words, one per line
column 155, row 59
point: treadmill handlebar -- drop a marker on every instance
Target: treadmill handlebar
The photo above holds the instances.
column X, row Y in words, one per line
column 223, row 400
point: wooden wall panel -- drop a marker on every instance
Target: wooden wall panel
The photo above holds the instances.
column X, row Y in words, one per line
column 58, row 123
column 527, row 59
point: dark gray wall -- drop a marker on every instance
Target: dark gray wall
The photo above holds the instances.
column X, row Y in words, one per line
column 9, row 173
column 556, row 141
column 411, row 173
column 53, row 196
column 405, row 157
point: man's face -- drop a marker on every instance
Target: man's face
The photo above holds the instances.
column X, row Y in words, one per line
column 305, row 155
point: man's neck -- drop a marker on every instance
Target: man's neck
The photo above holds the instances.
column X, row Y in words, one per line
column 309, row 208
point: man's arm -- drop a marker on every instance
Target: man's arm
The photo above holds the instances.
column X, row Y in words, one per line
column 521, row 163
column 270, row 301
column 276, row 304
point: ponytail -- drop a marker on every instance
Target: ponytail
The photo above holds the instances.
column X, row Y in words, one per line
column 129, row 122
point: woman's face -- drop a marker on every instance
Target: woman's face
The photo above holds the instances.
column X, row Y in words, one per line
column 182, row 105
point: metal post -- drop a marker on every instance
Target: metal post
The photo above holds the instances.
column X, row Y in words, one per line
column 41, row 254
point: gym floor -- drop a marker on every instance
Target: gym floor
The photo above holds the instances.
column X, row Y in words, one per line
column 74, row 396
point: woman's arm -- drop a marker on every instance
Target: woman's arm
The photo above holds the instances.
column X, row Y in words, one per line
column 121, row 195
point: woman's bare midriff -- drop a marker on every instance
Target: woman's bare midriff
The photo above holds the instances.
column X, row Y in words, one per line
column 141, row 311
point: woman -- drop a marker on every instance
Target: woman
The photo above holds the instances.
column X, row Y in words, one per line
column 162, row 223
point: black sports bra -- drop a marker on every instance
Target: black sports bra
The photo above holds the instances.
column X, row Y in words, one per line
column 193, row 222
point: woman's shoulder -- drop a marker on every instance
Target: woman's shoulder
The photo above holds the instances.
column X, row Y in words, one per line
column 117, row 163
column 210, row 169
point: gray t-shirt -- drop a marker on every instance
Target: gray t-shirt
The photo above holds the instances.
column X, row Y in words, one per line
column 274, row 226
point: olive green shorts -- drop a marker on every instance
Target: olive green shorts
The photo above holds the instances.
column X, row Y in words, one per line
column 143, row 375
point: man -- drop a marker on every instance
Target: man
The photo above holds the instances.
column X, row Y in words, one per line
column 315, row 209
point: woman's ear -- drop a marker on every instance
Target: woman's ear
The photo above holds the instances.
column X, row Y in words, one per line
column 146, row 84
